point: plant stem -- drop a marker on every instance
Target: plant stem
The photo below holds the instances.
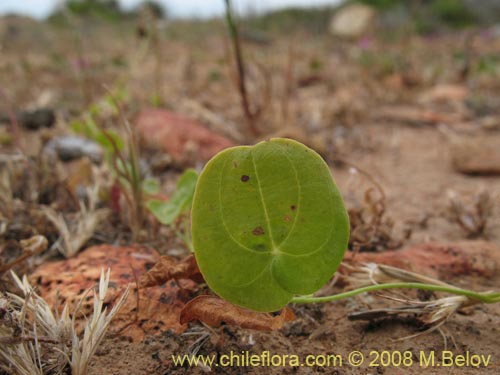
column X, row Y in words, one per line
column 234, row 35
column 488, row 297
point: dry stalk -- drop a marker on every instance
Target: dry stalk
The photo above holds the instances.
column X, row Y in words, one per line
column 251, row 116
column 473, row 218
column 7, row 170
column 127, row 169
column 83, row 349
column 371, row 228
column 75, row 233
column 432, row 314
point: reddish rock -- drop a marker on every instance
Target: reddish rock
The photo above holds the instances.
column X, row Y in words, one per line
column 158, row 308
column 183, row 138
column 441, row 260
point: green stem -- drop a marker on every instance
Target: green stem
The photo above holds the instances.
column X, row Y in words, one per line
column 483, row 297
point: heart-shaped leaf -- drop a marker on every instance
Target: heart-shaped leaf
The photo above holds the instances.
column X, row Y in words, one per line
column 268, row 222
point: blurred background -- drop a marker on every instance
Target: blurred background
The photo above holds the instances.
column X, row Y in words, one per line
column 392, row 86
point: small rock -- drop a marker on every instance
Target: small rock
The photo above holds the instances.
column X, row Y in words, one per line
column 73, row 147
column 39, row 118
column 352, row 21
column 185, row 139
column 478, row 155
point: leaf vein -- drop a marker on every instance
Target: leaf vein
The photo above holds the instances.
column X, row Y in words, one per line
column 261, row 195
column 224, row 224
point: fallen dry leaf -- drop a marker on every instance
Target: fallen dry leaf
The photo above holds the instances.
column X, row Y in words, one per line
column 214, row 311
column 168, row 268
column 153, row 310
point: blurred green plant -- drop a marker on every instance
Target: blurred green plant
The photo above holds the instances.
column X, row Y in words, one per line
column 214, row 75
column 155, row 8
column 88, row 127
column 314, row 20
column 168, row 211
column 177, row 208
column 121, row 154
column 107, row 10
column 487, row 64
column 452, row 12
column 315, row 64
column 88, row 124
column 428, row 16
column 6, row 139
column 381, row 64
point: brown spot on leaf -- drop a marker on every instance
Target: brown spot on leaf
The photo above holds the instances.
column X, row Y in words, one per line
column 286, row 218
column 259, row 231
column 293, row 207
column 245, row 178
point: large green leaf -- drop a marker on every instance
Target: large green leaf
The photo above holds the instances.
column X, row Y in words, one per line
column 268, row 222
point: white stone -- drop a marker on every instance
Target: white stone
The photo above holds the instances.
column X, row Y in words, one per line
column 352, row 21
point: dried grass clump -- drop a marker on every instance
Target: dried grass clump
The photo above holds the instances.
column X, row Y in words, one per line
column 473, row 217
column 76, row 232
column 35, row 340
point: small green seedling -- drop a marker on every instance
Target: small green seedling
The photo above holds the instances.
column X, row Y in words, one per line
column 180, row 203
column 89, row 128
column 167, row 212
column 269, row 227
